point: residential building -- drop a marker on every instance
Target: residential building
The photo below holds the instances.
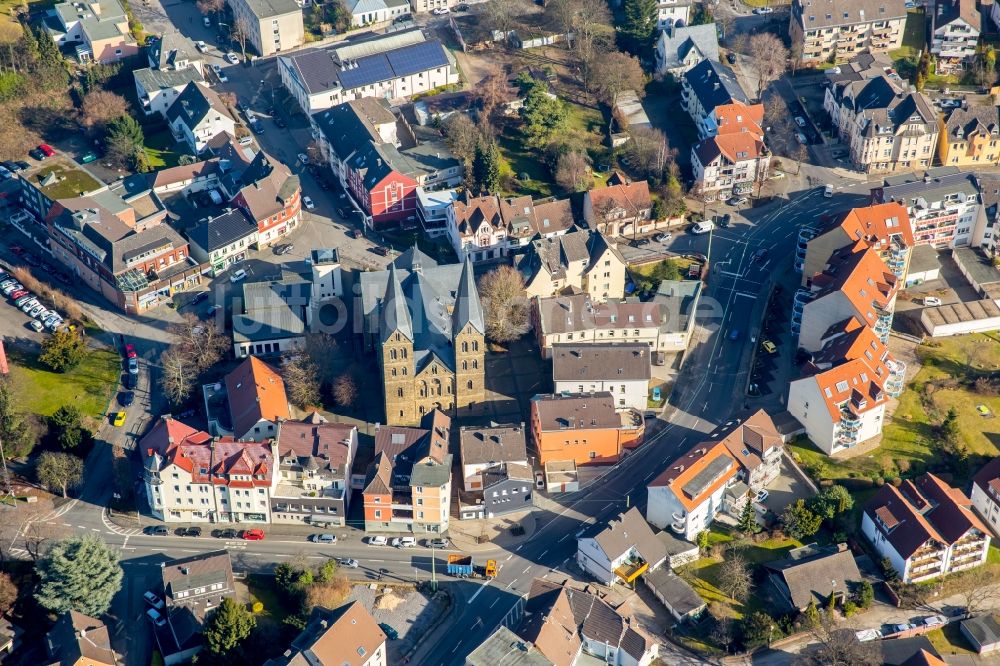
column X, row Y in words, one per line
column 174, row 62
column 422, row 6
column 729, row 165
column 269, row 193
column 583, row 428
column 621, row 551
column 482, row 448
column 314, row 471
column 506, row 490
column 584, row 260
column 426, row 324
column 374, row 12
column 855, row 283
column 503, row 646
column 955, row 26
column 79, row 640
column 97, row 29
column 192, row 588
column 842, row 397
column 679, row 49
column 663, row 324
column 344, row 635
column 733, row 117
column 570, row 625
column 272, row 25
column 884, row 227
column 673, row 14
column 257, row 402
column 619, row 368
column 327, row 280
column 192, row 477
column 912, row 651
column 811, row 574
column 708, row 85
column 222, row 240
column 491, row 227
column 926, row 528
column 986, row 494
column 618, row 210
column 274, row 317
column 968, row 137
column 847, row 83
column 982, row 632
column 715, row 476
column 408, row 485
column 393, row 66
column 944, row 205
column 58, row 177
column 197, row 116
column 379, row 162
column 822, row 30
column 432, row 210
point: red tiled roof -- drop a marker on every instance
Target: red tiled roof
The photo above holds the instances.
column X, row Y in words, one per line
column 687, row 467
column 256, row 392
column 737, row 117
column 632, row 197
column 876, row 223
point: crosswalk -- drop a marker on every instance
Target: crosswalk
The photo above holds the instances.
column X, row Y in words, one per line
column 115, row 529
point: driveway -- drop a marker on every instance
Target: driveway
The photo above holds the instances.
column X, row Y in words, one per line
column 786, row 489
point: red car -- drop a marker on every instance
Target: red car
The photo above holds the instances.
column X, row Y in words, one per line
column 130, row 350
column 252, row 535
column 47, row 149
column 17, row 249
column 18, row 294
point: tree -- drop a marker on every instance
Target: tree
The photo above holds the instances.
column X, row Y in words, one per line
column 757, row 628
column 345, row 390
column 977, row 589
column 639, row 22
column 501, row 14
column 79, row 573
column 228, row 627
column 504, row 301
column 573, row 171
column 543, row 115
column 951, row 434
column 8, row 594
column 59, row 470
column 124, row 142
column 864, row 595
column 672, row 192
column 177, row 380
column 831, row 502
column 66, row 427
column 703, row 541
column 240, row 33
column 839, row 647
column 770, row 58
column 462, row 137
column 986, row 66
column 211, row 6
column 204, row 343
column 734, row 577
column 63, row 350
column 748, row 519
column 486, row 168
column 799, row 521
column 99, row 108
column 15, row 436
column 492, row 92
column 301, row 377
column 615, row 73
column 811, row 614
column 648, row 152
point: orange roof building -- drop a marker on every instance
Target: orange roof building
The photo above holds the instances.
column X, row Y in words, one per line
column 257, row 400
column 582, row 427
column 729, row 164
column 618, row 210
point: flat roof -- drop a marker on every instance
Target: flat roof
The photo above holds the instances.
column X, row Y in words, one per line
column 962, row 312
column 924, row 258
column 61, row 178
column 980, row 270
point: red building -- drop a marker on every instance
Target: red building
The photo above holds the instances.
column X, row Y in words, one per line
column 270, row 195
column 386, row 195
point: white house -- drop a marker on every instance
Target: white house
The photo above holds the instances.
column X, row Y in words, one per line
column 674, row 13
column 327, row 280
column 621, row 551
column 925, row 528
column 621, row 368
column 955, row 34
column 729, row 164
column 174, row 62
column 488, row 448
column 986, row 494
column 223, row 240
column 197, row 116
column 373, row 12
column 257, row 402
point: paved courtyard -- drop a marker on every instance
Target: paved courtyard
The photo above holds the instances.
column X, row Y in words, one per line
column 410, row 612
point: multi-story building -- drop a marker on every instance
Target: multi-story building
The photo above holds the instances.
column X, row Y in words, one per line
column 620, row 551
column 197, row 115
column 624, row 209
column 673, row 14
column 841, row 400
column 729, row 164
column 273, row 317
column 271, row 26
column 869, row 78
column 925, row 528
column 944, row 205
column 408, row 485
column 484, row 448
column 706, row 86
column 58, row 177
column 828, row 30
column 423, row 6
column 314, row 471
column 619, row 368
column 679, row 49
column 427, row 325
column 270, row 195
column 332, row 637
column 969, row 137
column 584, row 428
column 584, row 260
column 79, row 640
column 98, row 29
column 883, row 227
column 955, row 26
column 394, row 66
column 255, row 394
column 174, row 62
column 986, row 494
column 490, row 227
column 377, row 159
column 192, row 477
column 222, row 240
column 715, row 476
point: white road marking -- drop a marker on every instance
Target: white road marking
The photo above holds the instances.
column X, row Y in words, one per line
column 563, row 538
column 494, row 602
column 543, row 553
column 526, row 569
column 473, row 598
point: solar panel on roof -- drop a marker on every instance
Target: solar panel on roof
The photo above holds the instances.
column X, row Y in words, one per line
column 366, row 71
column 417, row 58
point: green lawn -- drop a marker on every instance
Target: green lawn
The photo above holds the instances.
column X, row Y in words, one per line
column 949, row 640
column 161, row 150
column 89, row 386
column 914, row 36
column 7, row 6
column 262, row 589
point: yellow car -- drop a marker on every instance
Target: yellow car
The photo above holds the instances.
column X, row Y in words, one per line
column 119, row 419
column 769, row 346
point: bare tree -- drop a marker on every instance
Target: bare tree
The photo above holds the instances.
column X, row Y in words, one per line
column 839, row 647
column 591, row 17
column 734, row 577
column 59, row 470
column 345, row 390
column 978, row 587
column 320, row 348
column 241, row 31
column 573, row 172
column 461, row 136
column 493, row 92
column 211, row 6
column 648, row 152
column 500, row 15
column 770, row 58
column 8, row 594
column 301, row 377
column 614, row 73
column 177, row 380
column 203, row 343
column 101, row 107
column 502, row 291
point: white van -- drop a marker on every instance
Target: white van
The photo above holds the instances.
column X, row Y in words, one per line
column 238, row 275
column 828, row 191
column 407, row 542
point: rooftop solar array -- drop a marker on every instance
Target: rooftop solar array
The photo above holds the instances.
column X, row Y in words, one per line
column 417, row 58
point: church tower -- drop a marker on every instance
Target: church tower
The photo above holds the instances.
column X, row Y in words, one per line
column 469, row 333
column 396, row 354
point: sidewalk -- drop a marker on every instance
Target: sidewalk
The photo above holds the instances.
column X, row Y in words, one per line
column 480, row 536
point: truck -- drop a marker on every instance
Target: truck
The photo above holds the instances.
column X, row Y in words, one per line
column 460, row 565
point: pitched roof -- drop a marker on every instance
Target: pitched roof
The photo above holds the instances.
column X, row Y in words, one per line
column 576, row 312
column 988, row 479
column 551, row 625
column 877, row 224
column 948, row 11
column 750, row 440
column 194, row 104
column 630, row 530
column 860, row 274
column 906, row 651
column 214, row 233
column 816, row 575
column 256, row 392
column 984, row 629
column 588, row 411
column 814, row 14
column 378, row 476
column 76, row 637
column 962, row 123
column 468, row 310
column 493, row 444
column 171, row 47
column 317, row 445
column 695, row 476
column 737, row 117
column 505, row 648
column 633, row 198
column 344, row 636
column 263, row 9
column 600, row 361
column 713, row 84
column 681, row 41
column 733, row 148
column 266, row 186
column 675, row 590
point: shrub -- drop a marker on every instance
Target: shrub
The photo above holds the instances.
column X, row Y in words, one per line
column 879, row 482
column 850, row 608
column 257, row 607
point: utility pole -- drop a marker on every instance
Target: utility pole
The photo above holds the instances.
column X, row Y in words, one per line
column 434, row 582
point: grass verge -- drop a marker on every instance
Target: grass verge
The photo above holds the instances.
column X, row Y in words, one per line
column 88, row 386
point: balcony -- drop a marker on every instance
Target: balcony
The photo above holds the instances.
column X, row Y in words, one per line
column 924, row 575
column 679, row 523
column 629, row 571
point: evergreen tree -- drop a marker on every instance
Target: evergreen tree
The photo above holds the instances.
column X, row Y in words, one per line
column 79, row 573
column 14, row 432
column 543, row 116
column 486, row 167
column 748, row 519
column 811, row 614
column 639, row 24
column 756, row 628
column 799, row 521
column 66, row 427
column 63, row 350
column 227, row 628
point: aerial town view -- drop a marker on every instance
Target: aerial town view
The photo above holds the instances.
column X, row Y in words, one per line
column 499, row 332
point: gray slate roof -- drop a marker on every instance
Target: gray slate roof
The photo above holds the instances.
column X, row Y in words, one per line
column 984, row 629
column 630, row 530
column 814, row 14
column 170, row 48
column 674, row 590
column 814, row 573
column 714, row 84
column 679, row 299
column 493, row 444
column 601, row 361
column 152, row 80
column 468, row 310
column 505, row 648
column 268, row 8
column 702, row 38
column 222, row 230
column 194, row 104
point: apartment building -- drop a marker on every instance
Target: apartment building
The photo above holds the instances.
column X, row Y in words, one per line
column 393, row 66
column 332, row 637
column 222, row 240
column 885, row 228
column 491, row 227
column 955, row 26
column 706, row 86
column 408, row 485
column 620, row 551
column 855, row 283
column 729, row 165
column 174, row 62
column 273, row 317
column 270, row 195
column 715, row 476
column 97, row 29
column 866, row 79
column 192, row 477
column 833, row 30
column 621, row 210
column 619, row 368
column 584, row 428
column 842, row 397
column 944, row 205
column 986, row 494
column 197, row 116
column 673, row 14
column 678, row 49
column 969, row 137
column 272, row 26
column 484, row 448
column 585, row 260
column 926, row 529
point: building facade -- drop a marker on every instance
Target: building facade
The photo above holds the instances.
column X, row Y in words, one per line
column 825, row 30
column 619, row 368
column 969, row 137
column 944, row 205
column 583, row 428
column 272, row 26
column 584, row 260
column 985, row 494
column 955, row 26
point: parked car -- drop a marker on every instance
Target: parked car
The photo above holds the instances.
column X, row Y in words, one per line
column 407, row 542
column 20, row 293
column 390, row 633
column 126, row 398
column 769, row 346
column 308, row 203
column 828, row 191
column 130, row 351
column 207, row 22
column 153, row 600
column 441, row 11
column 762, row 496
column 232, row 58
column 377, row 541
column 731, row 58
column 201, row 46
column 156, row 530
column 133, row 366
column 238, row 275
column 760, row 255
column 283, row 249
column 254, row 534
column 801, row 138
column 155, row 618
column 129, row 380
column 225, row 534
column 47, row 149
column 36, row 154
column 192, row 532
column 28, row 303
column 737, row 201
column 88, row 157
column 11, row 166
column 932, row 300
column 760, row 11
column 303, row 158
column 734, row 334
column 36, row 326
column 220, row 74
column 703, row 227
column 438, row 543
column 279, row 122
column 202, row 296
column 800, row 121
column 348, row 562
column 323, row 538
